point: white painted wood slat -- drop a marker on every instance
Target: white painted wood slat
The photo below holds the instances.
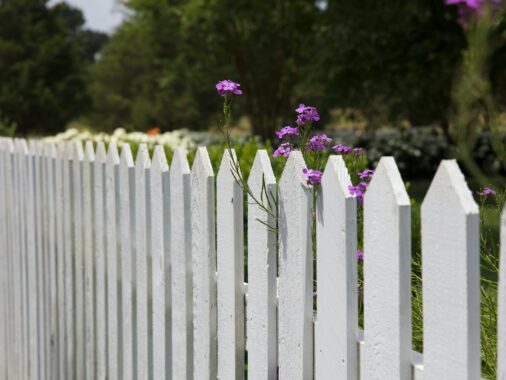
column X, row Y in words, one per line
column 142, row 164
column 336, row 329
column 114, row 319
column 451, row 277
column 230, row 278
column 262, row 272
column 126, row 217
column 159, row 168
column 295, row 341
column 204, row 267
column 100, row 263
column 387, row 275
column 89, row 261
column 501, row 307
column 182, row 285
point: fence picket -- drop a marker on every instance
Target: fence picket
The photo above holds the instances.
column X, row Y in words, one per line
column 295, row 342
column 60, row 258
column 89, row 259
column 68, row 185
column 451, row 277
column 98, row 224
column 336, row 331
column 3, row 271
column 182, row 285
column 126, row 217
column 230, row 278
column 262, row 272
column 387, row 275
column 159, row 169
column 51, row 154
column 204, row 267
column 114, row 318
column 501, row 307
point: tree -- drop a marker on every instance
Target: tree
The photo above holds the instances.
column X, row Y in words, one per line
column 42, row 65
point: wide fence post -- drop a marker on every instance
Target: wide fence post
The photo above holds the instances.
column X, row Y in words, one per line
column 451, row 277
column 204, row 267
column 261, row 319
column 295, row 318
column 126, row 218
column 336, row 328
column 230, row 259
column 181, row 271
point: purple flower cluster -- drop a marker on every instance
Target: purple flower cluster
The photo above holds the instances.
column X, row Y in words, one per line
column 345, row 150
column 360, row 255
column 486, row 192
column 318, row 142
column 283, row 150
column 366, row 174
column 358, row 191
column 287, row 131
column 227, row 87
column 313, row 177
column 306, row 114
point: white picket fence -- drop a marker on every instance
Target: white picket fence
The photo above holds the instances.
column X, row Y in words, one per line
column 115, row 269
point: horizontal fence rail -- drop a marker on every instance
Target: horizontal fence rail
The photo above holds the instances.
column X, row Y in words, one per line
column 119, row 268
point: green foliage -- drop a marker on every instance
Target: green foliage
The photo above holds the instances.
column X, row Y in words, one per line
column 42, row 70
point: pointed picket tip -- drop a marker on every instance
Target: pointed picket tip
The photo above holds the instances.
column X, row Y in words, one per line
column 9, row 145
column 77, row 151
column 112, row 154
column 23, row 147
column 159, row 161
column 180, row 165
column 226, row 166
column 61, row 149
column 336, row 175
column 292, row 173
column 142, row 160
column 100, row 154
column 450, row 182
column 387, row 172
column 126, row 158
column 202, row 164
column 261, row 170
column 89, row 153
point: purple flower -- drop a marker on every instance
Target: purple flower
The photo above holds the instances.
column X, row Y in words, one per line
column 306, row 114
column 283, row 150
column 343, row 149
column 318, row 142
column 360, row 255
column 487, row 191
column 313, row 177
column 287, row 131
column 227, row 87
column 358, row 151
column 358, row 191
column 469, row 8
column 365, row 174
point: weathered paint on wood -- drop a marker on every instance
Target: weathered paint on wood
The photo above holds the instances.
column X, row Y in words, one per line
column 336, row 331
column 204, row 267
column 230, row 265
column 182, row 285
column 387, row 275
column 126, row 218
column 262, row 271
column 451, row 277
column 295, row 342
